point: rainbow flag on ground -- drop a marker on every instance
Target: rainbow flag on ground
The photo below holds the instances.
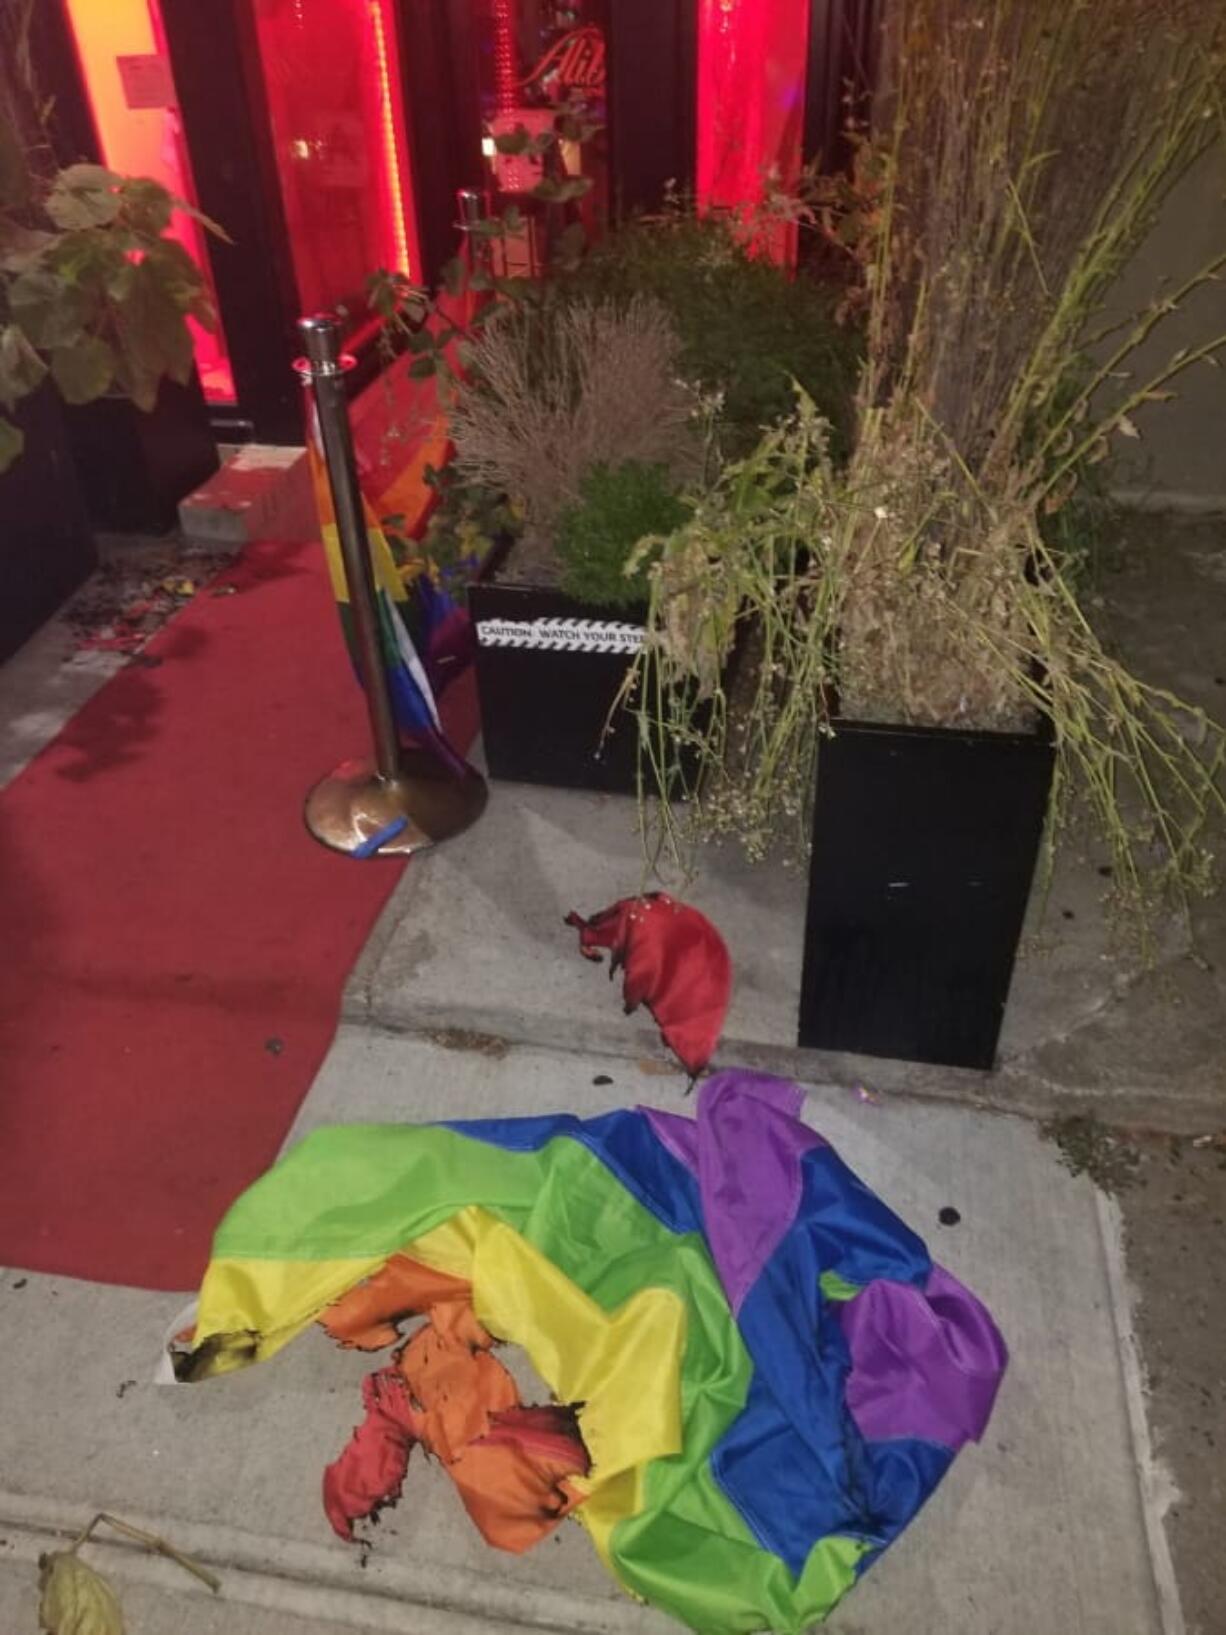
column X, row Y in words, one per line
column 770, row 1374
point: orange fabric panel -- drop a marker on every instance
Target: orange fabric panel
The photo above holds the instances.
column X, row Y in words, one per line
column 367, row 1316
column 450, row 1394
column 455, row 1388
column 514, row 1498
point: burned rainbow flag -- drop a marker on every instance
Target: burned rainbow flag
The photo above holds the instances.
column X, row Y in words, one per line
column 768, row 1373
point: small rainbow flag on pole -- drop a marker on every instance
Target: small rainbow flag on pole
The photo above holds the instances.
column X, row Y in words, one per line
column 426, row 637
column 400, row 432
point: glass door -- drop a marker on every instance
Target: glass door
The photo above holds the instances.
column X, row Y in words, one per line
column 331, row 76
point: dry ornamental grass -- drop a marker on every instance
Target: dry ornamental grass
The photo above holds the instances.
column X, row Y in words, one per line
column 558, row 389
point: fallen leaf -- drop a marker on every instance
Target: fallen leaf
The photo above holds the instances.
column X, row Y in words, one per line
column 75, row 1599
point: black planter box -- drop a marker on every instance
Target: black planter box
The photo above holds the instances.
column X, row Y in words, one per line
column 134, row 466
column 549, row 670
column 924, row 849
column 46, row 547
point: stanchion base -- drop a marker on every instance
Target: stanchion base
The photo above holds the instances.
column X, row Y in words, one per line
column 350, row 808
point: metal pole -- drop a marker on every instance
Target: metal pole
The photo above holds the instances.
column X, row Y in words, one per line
column 472, row 208
column 325, row 368
column 407, row 798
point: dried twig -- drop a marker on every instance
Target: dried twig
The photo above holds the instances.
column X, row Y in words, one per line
column 151, row 1541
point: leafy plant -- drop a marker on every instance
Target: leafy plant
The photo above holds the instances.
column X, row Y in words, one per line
column 783, row 553
column 440, row 332
column 618, row 506
column 93, row 293
column 468, row 522
column 741, row 760
column 1029, row 149
column 431, row 327
column 747, row 327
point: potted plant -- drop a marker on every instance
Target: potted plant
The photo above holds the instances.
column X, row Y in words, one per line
column 927, row 695
column 94, row 299
column 578, row 411
column 633, row 375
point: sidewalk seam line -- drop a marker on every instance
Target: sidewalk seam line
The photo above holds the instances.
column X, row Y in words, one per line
column 332, row 1584
column 1132, row 1369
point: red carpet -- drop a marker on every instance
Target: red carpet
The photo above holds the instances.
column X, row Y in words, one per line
column 174, row 944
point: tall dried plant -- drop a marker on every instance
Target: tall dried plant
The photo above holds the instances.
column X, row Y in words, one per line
column 1023, row 151
column 1028, row 147
column 557, row 389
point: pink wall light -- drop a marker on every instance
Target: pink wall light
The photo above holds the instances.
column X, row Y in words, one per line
column 752, row 64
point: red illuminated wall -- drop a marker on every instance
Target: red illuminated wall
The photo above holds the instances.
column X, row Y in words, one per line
column 752, row 57
column 144, row 141
column 338, row 133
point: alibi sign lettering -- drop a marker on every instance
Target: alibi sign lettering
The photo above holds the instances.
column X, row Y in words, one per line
column 576, row 62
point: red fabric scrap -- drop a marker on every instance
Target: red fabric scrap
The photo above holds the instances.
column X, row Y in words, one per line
column 371, row 1471
column 676, row 963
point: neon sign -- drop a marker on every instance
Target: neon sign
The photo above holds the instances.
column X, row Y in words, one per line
column 576, row 62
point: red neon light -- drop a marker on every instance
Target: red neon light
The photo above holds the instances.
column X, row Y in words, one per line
column 391, row 141
column 145, row 141
column 752, row 64
column 506, row 80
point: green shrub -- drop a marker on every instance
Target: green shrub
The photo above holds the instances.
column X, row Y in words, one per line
column 618, row 506
column 748, row 329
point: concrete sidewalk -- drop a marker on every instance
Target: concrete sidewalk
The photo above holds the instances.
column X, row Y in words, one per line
column 471, row 942
column 471, row 999
column 475, row 942
column 1042, row 1527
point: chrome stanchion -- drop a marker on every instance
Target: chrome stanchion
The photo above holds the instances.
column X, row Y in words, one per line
column 474, row 208
column 403, row 799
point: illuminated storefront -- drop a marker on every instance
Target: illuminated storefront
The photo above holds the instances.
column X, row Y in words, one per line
column 329, row 137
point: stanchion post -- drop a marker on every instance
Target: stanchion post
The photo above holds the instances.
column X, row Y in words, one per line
column 474, row 208
column 326, row 368
column 405, row 798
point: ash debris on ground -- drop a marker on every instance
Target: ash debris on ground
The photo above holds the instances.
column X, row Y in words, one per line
column 138, row 585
